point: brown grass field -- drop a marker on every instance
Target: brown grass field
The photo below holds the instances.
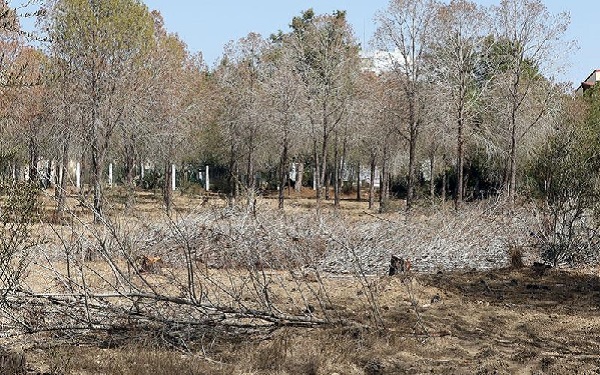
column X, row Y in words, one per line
column 502, row 321
column 497, row 322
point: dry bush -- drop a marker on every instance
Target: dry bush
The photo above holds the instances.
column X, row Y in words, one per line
column 19, row 210
column 248, row 273
column 12, row 362
column 516, row 254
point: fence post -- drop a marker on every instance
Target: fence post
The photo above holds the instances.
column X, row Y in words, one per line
column 173, row 176
column 207, row 181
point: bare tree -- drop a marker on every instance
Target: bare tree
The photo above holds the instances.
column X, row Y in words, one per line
column 326, row 55
column 405, row 30
column 460, row 30
column 171, row 107
column 239, row 76
column 374, row 108
column 530, row 47
column 107, row 42
column 283, row 103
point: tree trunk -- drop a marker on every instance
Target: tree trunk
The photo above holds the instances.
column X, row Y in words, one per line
column 328, row 186
column 336, row 174
column 299, row 173
column 232, row 177
column 459, row 163
column 512, row 166
column 324, row 172
column 432, row 177
column 444, row 183
column 317, row 174
column 383, row 198
column 358, row 197
column 61, row 187
column 251, row 181
column 342, row 168
column 129, row 176
column 97, row 155
column 33, row 159
column 97, row 167
column 412, row 152
column 372, row 181
column 512, row 169
column 283, row 173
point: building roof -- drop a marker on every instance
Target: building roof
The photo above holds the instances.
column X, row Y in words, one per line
column 589, row 82
column 591, row 74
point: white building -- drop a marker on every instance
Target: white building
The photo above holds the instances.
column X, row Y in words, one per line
column 380, row 61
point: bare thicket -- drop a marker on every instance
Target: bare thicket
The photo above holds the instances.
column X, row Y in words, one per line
column 234, row 269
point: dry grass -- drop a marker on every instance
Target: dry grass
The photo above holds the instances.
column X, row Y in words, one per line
column 508, row 321
column 500, row 322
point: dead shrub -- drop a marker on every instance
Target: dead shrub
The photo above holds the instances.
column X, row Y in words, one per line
column 515, row 254
column 12, row 362
column 149, row 264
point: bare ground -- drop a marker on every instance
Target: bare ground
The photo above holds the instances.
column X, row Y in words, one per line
column 494, row 322
column 499, row 321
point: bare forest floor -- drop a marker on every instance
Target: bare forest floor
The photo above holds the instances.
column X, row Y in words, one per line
column 346, row 315
column 493, row 322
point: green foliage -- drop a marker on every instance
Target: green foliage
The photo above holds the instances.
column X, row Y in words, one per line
column 102, row 35
column 566, row 181
column 323, row 44
column 300, row 23
column 502, row 56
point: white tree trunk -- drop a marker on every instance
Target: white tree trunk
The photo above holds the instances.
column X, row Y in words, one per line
column 207, row 181
column 78, row 176
column 173, row 177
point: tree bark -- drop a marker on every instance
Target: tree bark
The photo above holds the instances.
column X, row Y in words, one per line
column 432, row 177
column 317, row 174
column 324, row 171
column 372, row 181
column 512, row 164
column 459, row 164
column 383, row 182
column 129, row 175
column 250, row 178
column 412, row 154
column 33, row 159
column 232, row 176
column 283, row 173
column 299, row 173
column 336, row 173
column 61, row 186
column 358, row 197
column 97, row 167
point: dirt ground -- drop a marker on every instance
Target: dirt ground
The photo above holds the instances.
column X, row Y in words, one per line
column 498, row 322
column 507, row 321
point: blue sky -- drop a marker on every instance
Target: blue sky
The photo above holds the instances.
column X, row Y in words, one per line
column 206, row 26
